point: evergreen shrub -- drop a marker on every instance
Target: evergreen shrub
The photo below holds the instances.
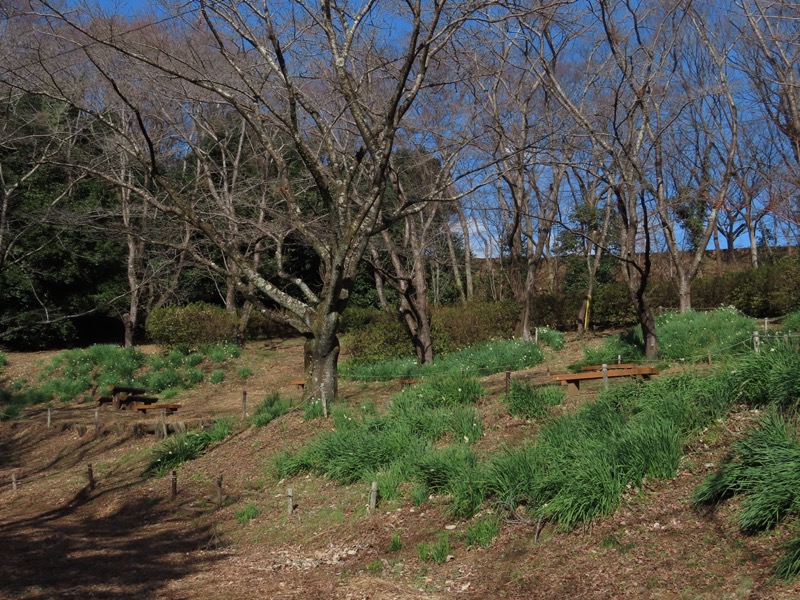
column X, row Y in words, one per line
column 191, row 326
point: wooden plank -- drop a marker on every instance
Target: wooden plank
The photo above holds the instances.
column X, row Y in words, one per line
column 610, row 366
column 170, row 408
column 121, row 389
column 640, row 371
column 134, row 399
column 301, row 383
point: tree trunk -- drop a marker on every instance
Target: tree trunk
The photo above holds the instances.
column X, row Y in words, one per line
column 321, row 358
column 684, row 291
column 648, row 323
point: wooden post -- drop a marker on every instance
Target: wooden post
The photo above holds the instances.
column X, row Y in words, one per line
column 244, row 404
column 290, row 501
column 219, row 489
column 709, row 357
column 174, row 484
column 14, row 481
column 96, row 422
column 756, row 342
column 49, row 418
column 536, row 335
column 508, row 380
column 373, row 496
column 766, row 324
column 90, row 475
column 605, row 376
column 619, row 359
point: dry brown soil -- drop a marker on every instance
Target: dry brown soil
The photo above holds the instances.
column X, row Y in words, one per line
column 127, row 538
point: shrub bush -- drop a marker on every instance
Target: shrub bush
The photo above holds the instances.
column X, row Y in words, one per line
column 272, row 407
column 459, row 326
column 191, row 326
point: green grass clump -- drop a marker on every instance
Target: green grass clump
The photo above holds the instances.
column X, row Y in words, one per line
column 788, row 566
column 244, row 372
column 436, row 552
column 770, row 377
column 246, row 514
column 791, row 323
column 482, row 359
column 481, row 533
column 272, row 407
column 396, row 448
column 178, row 449
column 217, row 376
column 688, row 336
column 313, row 410
column 80, row 373
column 581, row 463
column 3, row 360
column 395, row 543
column 551, row 337
column 765, row 466
column 531, row 402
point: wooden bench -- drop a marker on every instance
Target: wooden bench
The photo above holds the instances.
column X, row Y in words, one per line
column 169, row 408
column 573, row 380
column 301, row 383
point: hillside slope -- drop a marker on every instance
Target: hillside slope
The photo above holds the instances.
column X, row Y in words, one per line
column 127, row 538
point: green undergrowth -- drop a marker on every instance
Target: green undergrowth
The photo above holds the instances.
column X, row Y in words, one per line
column 532, row 402
column 764, row 466
column 402, row 446
column 178, row 449
column 576, row 470
column 688, row 337
column 80, row 373
column 482, row 359
column 272, row 407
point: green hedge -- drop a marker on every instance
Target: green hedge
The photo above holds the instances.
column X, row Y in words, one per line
column 191, row 326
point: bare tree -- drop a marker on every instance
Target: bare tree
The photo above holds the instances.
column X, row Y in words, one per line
column 327, row 79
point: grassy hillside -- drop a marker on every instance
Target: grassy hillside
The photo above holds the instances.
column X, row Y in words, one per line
column 517, row 509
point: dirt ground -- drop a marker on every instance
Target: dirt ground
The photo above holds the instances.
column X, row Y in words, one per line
column 127, row 538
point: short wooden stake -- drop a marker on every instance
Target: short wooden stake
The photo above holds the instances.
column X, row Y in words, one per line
column 290, row 501
column 536, row 335
column 49, row 418
column 90, row 475
column 605, row 376
column 96, row 422
column 244, row 404
column 174, row 484
column 508, row 380
column 14, row 481
column 709, row 357
column 619, row 359
column 756, row 342
column 373, row 496
column 219, row 489
column 766, row 324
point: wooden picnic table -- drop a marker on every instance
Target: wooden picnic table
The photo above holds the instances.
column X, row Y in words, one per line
column 121, row 397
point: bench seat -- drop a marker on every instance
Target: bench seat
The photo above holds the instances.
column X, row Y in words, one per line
column 573, row 380
column 169, row 408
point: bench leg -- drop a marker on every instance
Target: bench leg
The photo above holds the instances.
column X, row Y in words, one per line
column 573, row 388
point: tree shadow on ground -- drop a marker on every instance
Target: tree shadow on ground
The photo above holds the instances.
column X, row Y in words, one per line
column 129, row 554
